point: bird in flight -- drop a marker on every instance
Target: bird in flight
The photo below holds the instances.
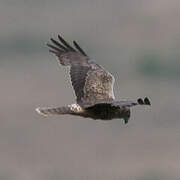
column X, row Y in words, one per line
column 93, row 86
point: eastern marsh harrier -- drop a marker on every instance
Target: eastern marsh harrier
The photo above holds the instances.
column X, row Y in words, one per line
column 93, row 86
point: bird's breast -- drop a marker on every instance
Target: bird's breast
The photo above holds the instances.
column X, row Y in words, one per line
column 106, row 112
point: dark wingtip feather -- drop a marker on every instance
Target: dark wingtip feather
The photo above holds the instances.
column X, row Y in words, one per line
column 54, row 52
column 58, row 44
column 53, row 47
column 65, row 43
column 147, row 101
column 140, row 101
column 79, row 48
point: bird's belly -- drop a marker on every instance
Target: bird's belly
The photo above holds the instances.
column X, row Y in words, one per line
column 102, row 115
column 107, row 113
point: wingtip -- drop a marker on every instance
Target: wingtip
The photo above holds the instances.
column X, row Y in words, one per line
column 79, row 48
column 60, row 37
column 140, row 101
column 147, row 101
column 47, row 44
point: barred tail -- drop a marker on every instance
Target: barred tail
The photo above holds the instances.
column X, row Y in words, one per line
column 54, row 111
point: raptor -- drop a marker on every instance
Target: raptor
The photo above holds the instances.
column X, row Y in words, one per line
column 93, row 86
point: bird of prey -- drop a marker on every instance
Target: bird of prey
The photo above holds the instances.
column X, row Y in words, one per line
column 93, row 86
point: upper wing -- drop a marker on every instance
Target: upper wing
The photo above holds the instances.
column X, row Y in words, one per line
column 91, row 83
column 139, row 101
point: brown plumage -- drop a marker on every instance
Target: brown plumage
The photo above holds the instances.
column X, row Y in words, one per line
column 93, row 86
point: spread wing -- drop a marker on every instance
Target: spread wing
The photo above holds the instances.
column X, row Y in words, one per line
column 91, row 83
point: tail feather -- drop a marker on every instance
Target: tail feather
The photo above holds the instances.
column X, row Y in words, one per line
column 54, row 111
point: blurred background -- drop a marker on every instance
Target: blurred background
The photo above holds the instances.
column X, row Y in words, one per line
column 137, row 41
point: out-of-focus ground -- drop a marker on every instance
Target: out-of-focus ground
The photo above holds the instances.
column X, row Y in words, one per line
column 137, row 41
